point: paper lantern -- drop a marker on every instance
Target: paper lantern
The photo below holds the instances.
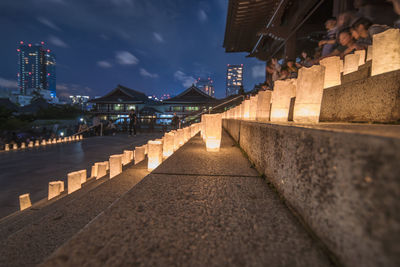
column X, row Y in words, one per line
column 22, row 145
column 49, row 142
column 192, row 130
column 351, row 63
column 59, row 140
column 107, row 164
column 126, row 159
column 94, row 169
column 181, row 139
column 385, row 51
column 83, row 174
column 55, row 189
column 74, row 182
column 69, row 138
column 139, row 154
column 30, row 144
column 332, row 71
column 65, row 139
column 369, row 53
column 186, row 134
column 101, row 169
column 54, row 141
column 15, row 146
column 284, row 90
column 253, row 107
column 7, row 147
column 115, row 165
column 24, row 202
column 361, row 58
column 341, row 65
column 263, row 105
column 168, row 144
column 36, row 142
column 155, row 154
column 310, row 86
column 213, row 132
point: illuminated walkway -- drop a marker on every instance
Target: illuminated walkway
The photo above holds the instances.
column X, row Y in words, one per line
column 30, row 170
column 196, row 209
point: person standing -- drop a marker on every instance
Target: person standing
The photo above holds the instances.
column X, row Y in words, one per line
column 132, row 122
column 175, row 122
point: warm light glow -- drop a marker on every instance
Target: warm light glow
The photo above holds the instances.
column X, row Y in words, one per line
column 24, row 202
column 74, row 182
column 281, row 96
column 154, row 154
column 246, row 109
column 213, row 131
column 361, row 58
column 351, row 62
column 332, row 71
column 310, row 86
column 386, row 52
column 55, row 189
column 253, row 107
column 213, row 144
column 115, row 165
column 168, row 144
column 264, row 105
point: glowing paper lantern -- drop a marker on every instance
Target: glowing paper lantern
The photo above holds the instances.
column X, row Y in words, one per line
column 69, row 138
column 361, row 54
column 139, row 154
column 332, row 71
column 155, row 154
column 192, row 130
column 310, row 86
column 101, row 169
column 59, row 140
column 115, row 165
column 283, row 91
column 341, row 65
column 49, row 142
column 24, row 202
column 7, row 147
column 30, row 144
column 55, row 189
column 54, row 141
column 369, row 53
column 94, row 169
column 386, row 51
column 80, row 137
column 168, row 144
column 15, row 146
column 83, row 174
column 263, row 105
column 176, row 140
column 181, row 137
column 22, row 145
column 253, row 107
column 65, row 139
column 74, row 182
column 107, row 164
column 126, row 159
column 36, row 142
column 351, row 63
column 186, row 134
column 213, row 132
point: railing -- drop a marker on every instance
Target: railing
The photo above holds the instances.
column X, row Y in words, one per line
column 90, row 128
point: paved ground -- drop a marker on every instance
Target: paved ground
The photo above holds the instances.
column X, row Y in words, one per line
column 196, row 209
column 30, row 170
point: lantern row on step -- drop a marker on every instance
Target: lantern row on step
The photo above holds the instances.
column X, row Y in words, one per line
column 300, row 99
column 37, row 143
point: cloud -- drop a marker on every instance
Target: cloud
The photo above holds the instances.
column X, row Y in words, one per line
column 64, row 90
column 258, row 71
column 57, row 41
column 158, row 37
column 126, row 58
column 185, row 80
column 202, row 15
column 145, row 73
column 48, row 23
column 8, row 84
column 104, row 37
column 104, row 64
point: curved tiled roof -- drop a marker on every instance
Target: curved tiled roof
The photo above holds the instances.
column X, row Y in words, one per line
column 124, row 94
column 191, row 95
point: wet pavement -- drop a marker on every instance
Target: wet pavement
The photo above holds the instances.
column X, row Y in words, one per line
column 30, row 170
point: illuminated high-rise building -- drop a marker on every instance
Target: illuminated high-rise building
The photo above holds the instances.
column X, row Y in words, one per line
column 37, row 68
column 234, row 79
column 206, row 85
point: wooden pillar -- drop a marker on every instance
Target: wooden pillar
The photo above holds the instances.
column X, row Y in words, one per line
column 290, row 47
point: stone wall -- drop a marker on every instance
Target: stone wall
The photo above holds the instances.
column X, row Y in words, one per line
column 372, row 99
column 344, row 185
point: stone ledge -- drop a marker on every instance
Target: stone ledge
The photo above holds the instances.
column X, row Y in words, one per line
column 345, row 185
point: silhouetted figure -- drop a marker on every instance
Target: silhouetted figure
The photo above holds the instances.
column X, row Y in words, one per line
column 175, row 121
column 132, row 122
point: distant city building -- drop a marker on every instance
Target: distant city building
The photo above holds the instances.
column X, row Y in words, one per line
column 206, row 85
column 37, row 68
column 80, row 100
column 234, row 79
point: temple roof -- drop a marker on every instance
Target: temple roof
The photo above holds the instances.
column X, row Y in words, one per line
column 191, row 95
column 122, row 94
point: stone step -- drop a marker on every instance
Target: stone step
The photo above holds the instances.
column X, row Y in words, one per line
column 342, row 179
column 197, row 208
column 29, row 238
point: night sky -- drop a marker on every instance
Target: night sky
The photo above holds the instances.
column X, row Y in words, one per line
column 154, row 46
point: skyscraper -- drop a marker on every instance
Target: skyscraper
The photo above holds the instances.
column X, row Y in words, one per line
column 37, row 68
column 234, row 79
column 206, row 85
